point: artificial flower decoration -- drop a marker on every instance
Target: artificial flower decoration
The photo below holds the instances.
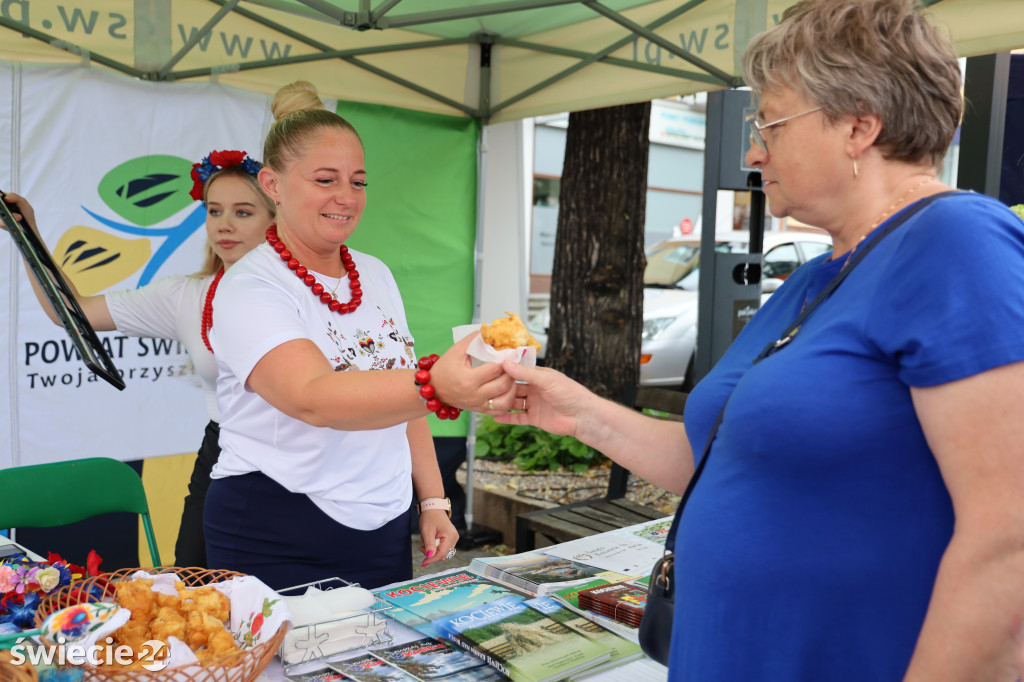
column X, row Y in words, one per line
column 23, row 583
column 216, row 161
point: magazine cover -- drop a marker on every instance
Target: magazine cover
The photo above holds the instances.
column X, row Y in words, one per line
column 418, row 602
column 367, row 668
column 622, row 650
column 416, row 647
column 538, row 573
column 521, row 642
column 324, row 674
column 427, row 659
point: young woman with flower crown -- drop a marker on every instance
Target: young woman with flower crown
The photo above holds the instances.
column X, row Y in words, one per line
column 181, row 306
column 324, row 436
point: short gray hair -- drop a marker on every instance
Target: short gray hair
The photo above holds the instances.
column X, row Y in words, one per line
column 880, row 57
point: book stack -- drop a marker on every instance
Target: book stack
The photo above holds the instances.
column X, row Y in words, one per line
column 623, row 602
column 536, row 573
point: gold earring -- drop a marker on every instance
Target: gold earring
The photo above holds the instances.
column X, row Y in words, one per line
column 856, row 170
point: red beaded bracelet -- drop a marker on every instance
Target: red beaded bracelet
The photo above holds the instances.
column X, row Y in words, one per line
column 427, row 391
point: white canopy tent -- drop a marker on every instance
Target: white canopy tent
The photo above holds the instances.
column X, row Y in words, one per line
column 496, row 60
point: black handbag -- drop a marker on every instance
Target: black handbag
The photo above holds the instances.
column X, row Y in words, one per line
column 655, row 631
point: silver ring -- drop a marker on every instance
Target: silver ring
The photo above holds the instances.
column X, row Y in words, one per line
column 490, row 404
column 450, row 554
column 524, row 403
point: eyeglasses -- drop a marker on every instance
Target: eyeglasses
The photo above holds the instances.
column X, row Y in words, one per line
column 757, row 126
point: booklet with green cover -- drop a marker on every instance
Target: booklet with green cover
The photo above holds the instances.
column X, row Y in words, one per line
column 521, row 642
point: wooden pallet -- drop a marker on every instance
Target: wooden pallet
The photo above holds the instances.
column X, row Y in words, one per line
column 579, row 519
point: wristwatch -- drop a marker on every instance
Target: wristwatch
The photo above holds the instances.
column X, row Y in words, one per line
column 434, row 503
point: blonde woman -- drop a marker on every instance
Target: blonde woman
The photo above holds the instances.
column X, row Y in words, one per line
column 181, row 307
column 325, row 436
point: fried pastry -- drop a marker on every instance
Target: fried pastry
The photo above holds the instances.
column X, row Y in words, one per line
column 196, row 616
column 168, row 623
column 201, row 628
column 507, row 332
column 133, row 634
column 206, row 599
column 138, row 597
column 219, row 650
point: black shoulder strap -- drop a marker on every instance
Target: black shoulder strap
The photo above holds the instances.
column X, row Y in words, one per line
column 788, row 335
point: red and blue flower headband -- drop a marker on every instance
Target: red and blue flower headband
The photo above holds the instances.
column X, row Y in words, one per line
column 218, row 161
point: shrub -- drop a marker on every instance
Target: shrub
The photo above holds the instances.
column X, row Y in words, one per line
column 532, row 449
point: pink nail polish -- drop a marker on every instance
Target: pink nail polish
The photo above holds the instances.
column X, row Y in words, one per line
column 430, row 553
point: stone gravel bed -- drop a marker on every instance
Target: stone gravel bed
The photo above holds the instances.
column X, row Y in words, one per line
column 562, row 487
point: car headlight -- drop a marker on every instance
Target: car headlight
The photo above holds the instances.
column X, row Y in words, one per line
column 655, row 326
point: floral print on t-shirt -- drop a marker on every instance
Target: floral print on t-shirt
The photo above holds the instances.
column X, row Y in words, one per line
column 381, row 348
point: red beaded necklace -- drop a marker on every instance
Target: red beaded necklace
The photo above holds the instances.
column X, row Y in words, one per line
column 207, row 323
column 303, row 273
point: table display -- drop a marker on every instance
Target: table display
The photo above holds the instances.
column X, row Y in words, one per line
column 501, row 618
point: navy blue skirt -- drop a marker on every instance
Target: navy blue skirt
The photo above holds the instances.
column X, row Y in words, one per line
column 254, row 525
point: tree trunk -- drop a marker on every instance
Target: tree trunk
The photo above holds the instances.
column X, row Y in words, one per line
column 597, row 277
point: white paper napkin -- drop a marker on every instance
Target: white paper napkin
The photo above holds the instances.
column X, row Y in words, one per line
column 483, row 353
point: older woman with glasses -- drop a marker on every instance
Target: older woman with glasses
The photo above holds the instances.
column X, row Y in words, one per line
column 858, row 513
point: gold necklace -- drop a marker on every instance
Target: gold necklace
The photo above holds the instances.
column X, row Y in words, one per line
column 875, row 224
column 334, row 291
column 887, row 213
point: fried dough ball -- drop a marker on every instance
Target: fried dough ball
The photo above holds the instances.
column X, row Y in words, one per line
column 206, row 599
column 507, row 332
column 171, row 600
column 221, row 646
column 137, row 596
column 133, row 634
column 197, row 616
column 201, row 628
column 168, row 623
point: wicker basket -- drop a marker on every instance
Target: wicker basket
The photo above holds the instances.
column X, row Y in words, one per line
column 244, row 667
column 9, row 672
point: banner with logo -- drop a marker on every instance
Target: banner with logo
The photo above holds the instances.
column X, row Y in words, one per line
column 105, row 160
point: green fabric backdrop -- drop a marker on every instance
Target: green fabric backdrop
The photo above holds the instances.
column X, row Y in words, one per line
column 420, row 218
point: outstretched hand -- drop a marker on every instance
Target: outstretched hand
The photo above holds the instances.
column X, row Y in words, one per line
column 484, row 389
column 546, row 399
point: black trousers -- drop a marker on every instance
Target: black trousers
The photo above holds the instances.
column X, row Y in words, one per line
column 256, row 526
column 190, row 548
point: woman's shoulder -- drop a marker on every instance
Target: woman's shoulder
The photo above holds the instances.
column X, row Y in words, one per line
column 258, row 261
column 165, row 287
column 968, row 204
column 967, row 217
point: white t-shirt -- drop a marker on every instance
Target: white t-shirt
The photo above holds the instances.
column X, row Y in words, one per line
column 362, row 479
column 171, row 308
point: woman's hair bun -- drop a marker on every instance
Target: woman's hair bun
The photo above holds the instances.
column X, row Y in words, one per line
column 297, row 96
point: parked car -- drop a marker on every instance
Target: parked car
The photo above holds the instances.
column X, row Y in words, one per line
column 669, row 334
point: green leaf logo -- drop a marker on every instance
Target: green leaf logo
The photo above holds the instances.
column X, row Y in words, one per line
column 148, row 189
